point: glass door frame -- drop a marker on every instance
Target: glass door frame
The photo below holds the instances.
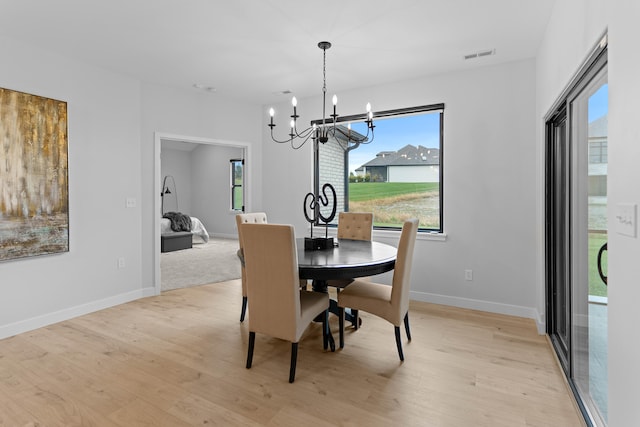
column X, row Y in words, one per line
column 559, row 238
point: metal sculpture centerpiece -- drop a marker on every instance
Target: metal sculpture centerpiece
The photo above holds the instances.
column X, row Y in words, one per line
column 313, row 204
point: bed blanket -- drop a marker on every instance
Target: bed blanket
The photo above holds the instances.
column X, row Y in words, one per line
column 179, row 221
column 197, row 228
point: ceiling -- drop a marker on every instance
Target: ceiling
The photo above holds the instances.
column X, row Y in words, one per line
column 256, row 49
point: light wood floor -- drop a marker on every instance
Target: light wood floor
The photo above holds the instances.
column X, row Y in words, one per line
column 179, row 360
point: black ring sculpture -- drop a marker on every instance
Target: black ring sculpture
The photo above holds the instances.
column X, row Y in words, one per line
column 314, row 203
column 600, row 253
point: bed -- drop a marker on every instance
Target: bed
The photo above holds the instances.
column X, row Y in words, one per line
column 197, row 228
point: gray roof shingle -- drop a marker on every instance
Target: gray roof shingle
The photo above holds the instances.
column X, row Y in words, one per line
column 408, row 155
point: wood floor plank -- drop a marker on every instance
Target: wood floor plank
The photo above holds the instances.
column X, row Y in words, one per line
column 179, row 359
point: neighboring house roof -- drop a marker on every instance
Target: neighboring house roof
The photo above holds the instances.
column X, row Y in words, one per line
column 408, row 155
column 599, row 127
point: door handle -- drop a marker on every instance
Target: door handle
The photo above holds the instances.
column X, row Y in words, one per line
column 600, row 252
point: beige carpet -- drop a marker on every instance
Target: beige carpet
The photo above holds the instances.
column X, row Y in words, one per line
column 212, row 262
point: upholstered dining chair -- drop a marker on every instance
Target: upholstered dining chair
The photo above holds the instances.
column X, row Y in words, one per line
column 353, row 226
column 277, row 305
column 246, row 218
column 388, row 302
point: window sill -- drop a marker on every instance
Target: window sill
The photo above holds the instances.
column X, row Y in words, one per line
column 422, row 235
column 395, row 234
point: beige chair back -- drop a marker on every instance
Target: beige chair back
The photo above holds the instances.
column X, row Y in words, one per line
column 247, row 218
column 355, row 225
column 402, row 270
column 271, row 264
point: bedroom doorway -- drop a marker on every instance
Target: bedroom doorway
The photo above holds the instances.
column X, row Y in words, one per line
column 198, row 168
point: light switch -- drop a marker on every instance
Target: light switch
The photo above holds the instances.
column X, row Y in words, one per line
column 131, row 202
column 625, row 220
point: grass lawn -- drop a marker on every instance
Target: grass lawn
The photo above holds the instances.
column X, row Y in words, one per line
column 394, row 202
column 364, row 191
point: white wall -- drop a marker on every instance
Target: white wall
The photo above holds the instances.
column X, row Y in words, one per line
column 211, row 183
column 113, row 120
column 623, row 179
column 177, row 164
column 489, row 183
column 201, row 116
column 104, row 164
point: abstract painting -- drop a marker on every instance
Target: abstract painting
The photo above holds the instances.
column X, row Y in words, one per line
column 34, row 186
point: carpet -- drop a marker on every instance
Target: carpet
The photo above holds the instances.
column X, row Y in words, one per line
column 212, row 262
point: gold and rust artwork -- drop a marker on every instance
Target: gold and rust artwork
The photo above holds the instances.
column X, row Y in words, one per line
column 34, row 186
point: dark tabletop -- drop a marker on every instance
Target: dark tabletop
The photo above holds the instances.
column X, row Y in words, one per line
column 352, row 258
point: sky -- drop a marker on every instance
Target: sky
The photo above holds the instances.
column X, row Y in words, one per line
column 393, row 133
column 599, row 103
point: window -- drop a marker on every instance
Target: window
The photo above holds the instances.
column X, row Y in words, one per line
column 397, row 175
column 237, row 172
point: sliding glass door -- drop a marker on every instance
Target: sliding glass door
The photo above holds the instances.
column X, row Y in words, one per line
column 576, row 237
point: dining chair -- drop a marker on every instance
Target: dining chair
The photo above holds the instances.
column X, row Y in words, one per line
column 277, row 305
column 388, row 302
column 250, row 218
column 353, row 226
column 246, row 218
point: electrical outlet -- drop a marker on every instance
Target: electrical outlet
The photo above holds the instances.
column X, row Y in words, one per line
column 130, row 202
column 468, row 275
column 121, row 263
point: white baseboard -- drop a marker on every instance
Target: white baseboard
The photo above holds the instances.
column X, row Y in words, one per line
column 71, row 312
column 488, row 306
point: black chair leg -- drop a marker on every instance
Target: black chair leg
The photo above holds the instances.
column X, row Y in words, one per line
column 294, row 358
column 399, row 342
column 244, row 309
column 406, row 326
column 332, row 343
column 341, row 325
column 325, row 326
column 356, row 319
column 252, row 340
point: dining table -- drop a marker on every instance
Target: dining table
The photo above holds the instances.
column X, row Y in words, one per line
column 347, row 259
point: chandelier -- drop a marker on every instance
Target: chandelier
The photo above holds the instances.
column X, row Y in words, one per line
column 328, row 128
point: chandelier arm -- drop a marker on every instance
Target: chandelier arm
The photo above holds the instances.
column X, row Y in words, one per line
column 350, row 138
column 284, row 141
column 304, row 134
column 301, row 143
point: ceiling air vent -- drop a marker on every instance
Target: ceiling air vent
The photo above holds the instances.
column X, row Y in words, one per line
column 480, row 54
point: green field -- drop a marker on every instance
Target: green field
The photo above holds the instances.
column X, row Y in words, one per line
column 394, row 202
column 362, row 191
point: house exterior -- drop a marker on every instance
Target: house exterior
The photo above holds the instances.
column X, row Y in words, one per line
column 409, row 164
column 598, row 158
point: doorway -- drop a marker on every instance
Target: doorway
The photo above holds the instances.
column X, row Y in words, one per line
column 220, row 189
column 576, row 235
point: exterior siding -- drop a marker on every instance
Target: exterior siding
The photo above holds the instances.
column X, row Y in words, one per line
column 332, row 167
column 429, row 173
